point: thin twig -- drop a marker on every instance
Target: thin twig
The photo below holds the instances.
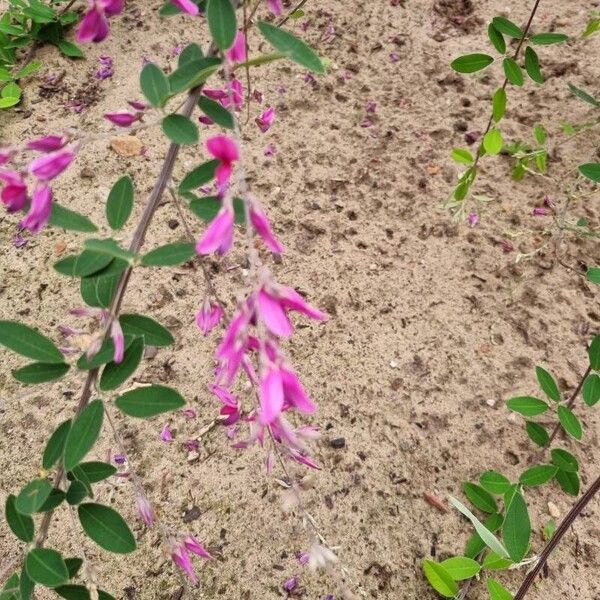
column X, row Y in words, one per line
column 560, row 532
column 289, row 15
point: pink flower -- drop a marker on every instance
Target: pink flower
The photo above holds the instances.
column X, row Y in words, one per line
column 274, row 301
column 219, row 235
column 275, row 7
column 49, row 166
column 122, row 119
column 265, row 120
column 116, row 334
column 14, row 192
column 209, row 316
column 145, row 510
column 106, row 68
column 261, row 223
column 48, row 143
column 93, row 26
column 294, row 394
column 303, row 558
column 231, row 410
column 226, row 151
column 237, row 52
column 539, row 212
column 193, row 545
column 270, row 394
column 137, row 105
column 186, row 6
column 112, row 7
column 181, row 558
column 237, row 92
column 180, row 554
column 473, row 219
column 40, row 209
column 165, row 434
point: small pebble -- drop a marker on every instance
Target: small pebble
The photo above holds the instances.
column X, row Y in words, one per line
column 553, row 510
column 338, row 443
column 393, row 364
column 173, row 223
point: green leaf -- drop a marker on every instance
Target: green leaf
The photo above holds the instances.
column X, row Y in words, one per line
column 28, row 342
column 489, row 539
column 114, row 374
column 26, row 585
column 527, row 406
column 120, row 202
column 537, row 434
column 107, row 528
column 513, row 72
column 493, row 142
column 593, row 353
column 199, row 176
column 149, row 401
column 496, row 38
column 180, row 129
column 591, row 389
column 154, row 333
column 545, row 39
column 493, row 562
column 21, row 525
column 69, row 49
column 463, row 156
column 440, row 579
column 109, row 247
column 494, row 482
column 570, row 423
column 169, row 255
column 221, row 22
column 46, row 567
column 55, row 445
column 583, row 95
column 155, row 85
column 193, row 73
column 591, row 171
column 547, row 384
column 498, row 591
column 79, row 592
column 73, row 566
column 65, row 218
column 95, row 470
column 190, row 53
column 214, row 111
column 540, row 137
column 507, row 27
column 471, row 63
column 475, row 544
column 480, row 498
column 40, row 373
column 82, row 265
column 538, row 475
column 8, row 102
column 76, row 493
column 461, row 567
column 11, row 90
column 11, row 591
column 83, row 434
column 568, row 481
column 564, row 460
column 293, row 47
column 499, row 104
column 32, row 496
column 516, row 529
column 53, row 500
column 532, row 65
column 593, row 275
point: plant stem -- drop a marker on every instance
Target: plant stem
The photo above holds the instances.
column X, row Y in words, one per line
column 560, row 532
column 288, row 16
column 515, row 56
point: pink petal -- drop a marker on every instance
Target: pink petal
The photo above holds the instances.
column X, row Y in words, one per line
column 273, row 314
column 275, row 7
column 292, row 300
column 93, row 27
column 186, row 6
column 222, row 148
column 295, row 394
column 116, row 333
column 237, row 53
column 51, row 165
column 39, row 211
column 122, row 119
column 48, row 143
column 193, row 545
column 219, row 234
column 263, row 228
column 271, row 395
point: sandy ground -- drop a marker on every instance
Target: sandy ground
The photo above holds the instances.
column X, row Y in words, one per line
column 432, row 326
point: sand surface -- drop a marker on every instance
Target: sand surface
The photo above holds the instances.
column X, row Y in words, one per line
column 432, row 326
